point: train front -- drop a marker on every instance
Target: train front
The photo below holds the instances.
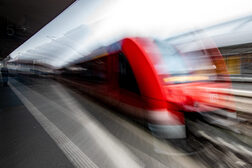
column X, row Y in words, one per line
column 193, row 80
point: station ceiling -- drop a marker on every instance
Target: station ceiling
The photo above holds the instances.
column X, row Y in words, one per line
column 86, row 25
column 20, row 19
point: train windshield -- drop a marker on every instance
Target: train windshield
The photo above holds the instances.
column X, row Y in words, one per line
column 171, row 61
column 185, row 67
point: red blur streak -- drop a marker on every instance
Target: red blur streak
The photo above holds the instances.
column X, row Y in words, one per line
column 157, row 97
column 147, row 78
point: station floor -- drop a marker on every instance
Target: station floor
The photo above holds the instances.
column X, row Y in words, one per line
column 23, row 142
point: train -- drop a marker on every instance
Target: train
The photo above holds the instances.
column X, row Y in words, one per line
column 154, row 81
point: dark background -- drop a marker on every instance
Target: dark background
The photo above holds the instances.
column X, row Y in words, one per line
column 20, row 19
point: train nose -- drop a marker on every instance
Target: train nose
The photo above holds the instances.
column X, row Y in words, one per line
column 189, row 97
column 179, row 96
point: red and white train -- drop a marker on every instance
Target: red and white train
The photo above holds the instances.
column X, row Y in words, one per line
column 154, row 81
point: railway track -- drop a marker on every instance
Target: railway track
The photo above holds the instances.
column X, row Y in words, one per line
column 215, row 145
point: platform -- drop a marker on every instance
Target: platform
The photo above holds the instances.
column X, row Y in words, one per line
column 23, row 142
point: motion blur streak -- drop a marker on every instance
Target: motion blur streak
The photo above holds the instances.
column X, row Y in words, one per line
column 100, row 135
column 79, row 126
column 159, row 145
column 106, row 141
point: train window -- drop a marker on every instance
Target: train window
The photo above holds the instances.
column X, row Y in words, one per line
column 127, row 79
column 95, row 71
column 171, row 61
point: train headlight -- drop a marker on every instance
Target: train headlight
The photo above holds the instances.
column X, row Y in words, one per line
column 184, row 79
